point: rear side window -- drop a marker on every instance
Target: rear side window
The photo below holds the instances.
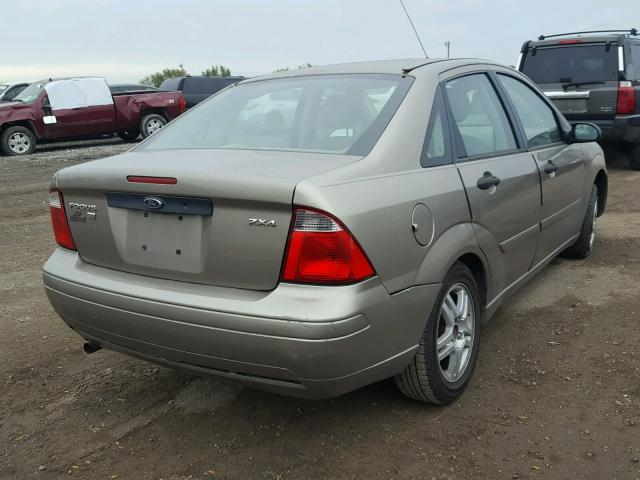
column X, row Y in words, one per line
column 479, row 116
column 635, row 60
column 437, row 147
column 536, row 116
column 575, row 63
column 170, row 84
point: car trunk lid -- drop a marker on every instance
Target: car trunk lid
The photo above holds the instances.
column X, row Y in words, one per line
column 223, row 222
column 580, row 78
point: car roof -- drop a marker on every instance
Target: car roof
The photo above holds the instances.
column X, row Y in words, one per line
column 398, row 66
column 584, row 37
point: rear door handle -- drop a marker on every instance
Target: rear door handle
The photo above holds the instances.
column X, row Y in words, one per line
column 487, row 181
column 550, row 168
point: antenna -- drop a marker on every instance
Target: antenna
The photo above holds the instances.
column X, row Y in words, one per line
column 414, row 29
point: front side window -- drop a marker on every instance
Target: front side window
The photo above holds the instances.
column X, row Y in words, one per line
column 343, row 114
column 536, row 116
column 31, row 93
column 482, row 124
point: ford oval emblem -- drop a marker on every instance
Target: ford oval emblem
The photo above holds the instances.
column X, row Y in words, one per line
column 153, row 203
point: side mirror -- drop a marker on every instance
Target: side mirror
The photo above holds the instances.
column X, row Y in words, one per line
column 45, row 103
column 584, row 132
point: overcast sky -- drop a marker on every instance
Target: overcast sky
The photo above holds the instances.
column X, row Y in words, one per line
column 124, row 40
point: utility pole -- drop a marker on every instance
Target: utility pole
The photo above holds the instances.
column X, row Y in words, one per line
column 448, row 45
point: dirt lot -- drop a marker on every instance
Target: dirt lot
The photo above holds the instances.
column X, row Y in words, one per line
column 556, row 391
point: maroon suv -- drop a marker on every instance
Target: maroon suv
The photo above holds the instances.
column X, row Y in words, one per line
column 75, row 108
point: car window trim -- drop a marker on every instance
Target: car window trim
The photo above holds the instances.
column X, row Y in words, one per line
column 456, row 139
column 545, row 100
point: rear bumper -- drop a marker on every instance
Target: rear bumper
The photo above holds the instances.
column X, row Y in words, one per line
column 299, row 340
column 621, row 128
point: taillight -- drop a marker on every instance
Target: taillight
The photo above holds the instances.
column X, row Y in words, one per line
column 321, row 250
column 59, row 220
column 626, row 98
column 181, row 104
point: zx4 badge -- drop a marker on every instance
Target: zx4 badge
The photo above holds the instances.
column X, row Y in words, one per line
column 261, row 222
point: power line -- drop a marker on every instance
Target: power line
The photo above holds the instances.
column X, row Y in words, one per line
column 414, row 29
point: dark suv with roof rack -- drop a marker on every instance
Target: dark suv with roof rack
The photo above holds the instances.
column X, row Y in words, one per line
column 592, row 76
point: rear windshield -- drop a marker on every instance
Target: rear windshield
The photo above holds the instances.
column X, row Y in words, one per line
column 575, row 63
column 321, row 113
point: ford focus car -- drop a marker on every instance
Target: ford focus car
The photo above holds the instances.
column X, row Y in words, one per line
column 362, row 224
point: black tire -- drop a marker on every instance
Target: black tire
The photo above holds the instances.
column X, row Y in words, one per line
column 149, row 124
column 583, row 247
column 129, row 135
column 423, row 379
column 634, row 156
column 17, row 141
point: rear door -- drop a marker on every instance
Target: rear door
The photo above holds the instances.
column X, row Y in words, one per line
column 580, row 78
column 501, row 180
column 562, row 167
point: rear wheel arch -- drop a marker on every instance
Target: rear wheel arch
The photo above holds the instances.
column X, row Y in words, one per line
column 477, row 266
column 457, row 244
column 158, row 111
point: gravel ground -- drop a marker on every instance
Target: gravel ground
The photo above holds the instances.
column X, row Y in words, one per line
column 556, row 392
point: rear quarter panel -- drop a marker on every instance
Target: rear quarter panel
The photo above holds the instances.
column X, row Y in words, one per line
column 129, row 108
column 375, row 198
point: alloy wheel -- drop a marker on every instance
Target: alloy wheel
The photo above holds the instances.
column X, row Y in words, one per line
column 153, row 126
column 456, row 330
column 19, row 143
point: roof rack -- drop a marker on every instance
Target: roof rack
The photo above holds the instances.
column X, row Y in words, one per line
column 632, row 31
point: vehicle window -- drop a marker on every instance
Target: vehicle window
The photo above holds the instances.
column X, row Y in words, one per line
column 170, row 84
column 319, row 113
column 379, row 96
column 3, row 88
column 201, row 85
column 479, row 116
column 13, row 92
column 31, row 93
column 437, row 149
column 635, row 60
column 537, row 118
column 575, row 63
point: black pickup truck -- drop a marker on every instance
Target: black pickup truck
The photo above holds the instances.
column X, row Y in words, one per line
column 197, row 89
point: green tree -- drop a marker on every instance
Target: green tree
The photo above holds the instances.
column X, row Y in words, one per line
column 217, row 71
column 155, row 79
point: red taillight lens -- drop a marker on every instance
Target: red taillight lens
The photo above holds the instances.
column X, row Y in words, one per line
column 181, row 104
column 59, row 220
column 321, row 250
column 154, row 180
column 626, row 98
